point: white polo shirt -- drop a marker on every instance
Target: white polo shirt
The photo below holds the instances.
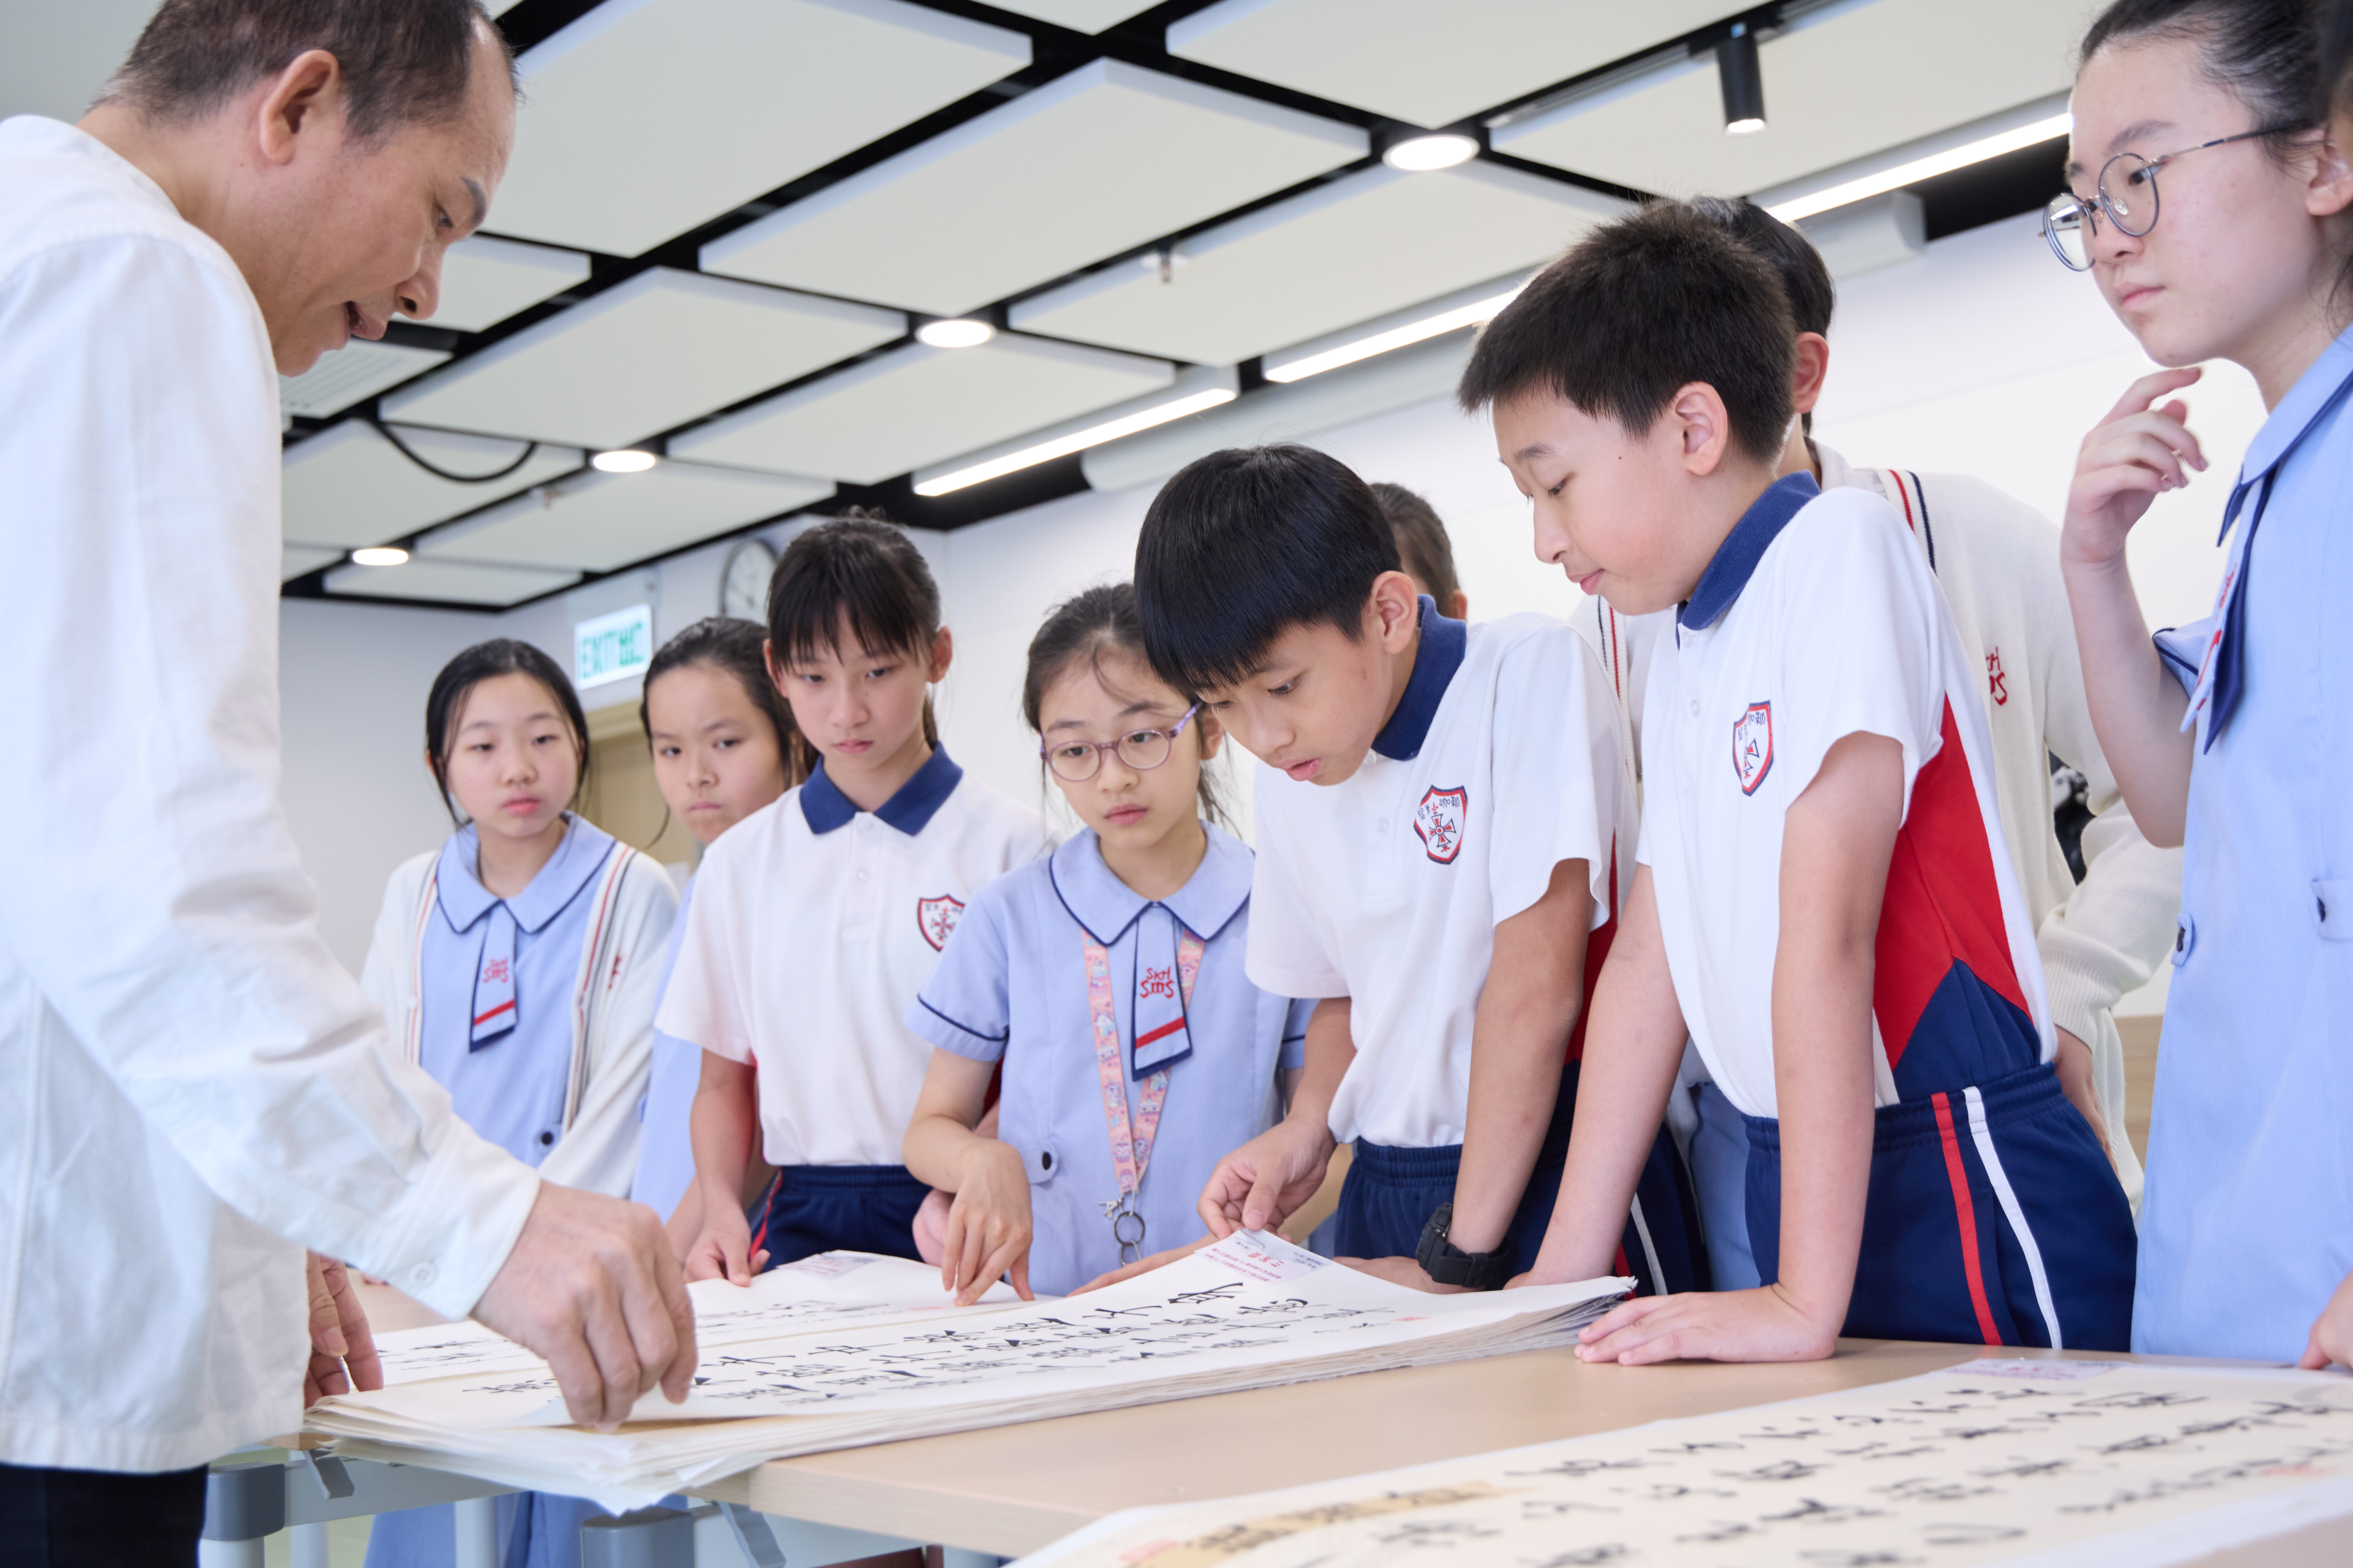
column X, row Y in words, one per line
column 1819, row 619
column 1501, row 760
column 813, row 926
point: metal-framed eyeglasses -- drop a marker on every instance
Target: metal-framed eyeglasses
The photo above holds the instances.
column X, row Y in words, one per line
column 2126, row 193
column 1143, row 749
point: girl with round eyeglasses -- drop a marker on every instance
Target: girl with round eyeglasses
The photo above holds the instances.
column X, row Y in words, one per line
column 2230, row 737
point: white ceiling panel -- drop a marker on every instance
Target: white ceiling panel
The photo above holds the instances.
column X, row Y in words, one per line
column 1429, row 62
column 293, row 560
column 352, row 373
column 455, row 582
column 646, row 118
column 1830, row 94
column 639, row 358
column 597, row 521
column 485, row 280
column 1080, row 16
column 1356, row 248
column 347, row 486
column 915, row 406
column 1100, row 161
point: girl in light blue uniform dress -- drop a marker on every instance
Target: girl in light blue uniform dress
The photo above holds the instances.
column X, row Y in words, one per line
column 518, row 966
column 724, row 746
column 2208, row 205
column 1107, row 980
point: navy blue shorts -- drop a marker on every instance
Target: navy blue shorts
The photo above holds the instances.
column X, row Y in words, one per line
column 810, row 1209
column 1389, row 1193
column 1993, row 1219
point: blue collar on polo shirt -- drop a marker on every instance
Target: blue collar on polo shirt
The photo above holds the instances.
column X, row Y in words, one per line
column 910, row 810
column 1735, row 559
column 464, row 900
column 1105, row 907
column 1434, row 664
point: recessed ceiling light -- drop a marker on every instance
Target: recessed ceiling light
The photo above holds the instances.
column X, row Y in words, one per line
column 1919, row 169
column 961, row 333
column 380, row 555
column 1420, row 154
column 1194, row 391
column 623, row 462
column 1743, row 81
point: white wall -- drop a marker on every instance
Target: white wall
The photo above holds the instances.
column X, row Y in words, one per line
column 1984, row 357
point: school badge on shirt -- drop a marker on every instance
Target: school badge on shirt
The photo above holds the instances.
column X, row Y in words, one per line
column 1439, row 820
column 937, row 918
column 1752, row 746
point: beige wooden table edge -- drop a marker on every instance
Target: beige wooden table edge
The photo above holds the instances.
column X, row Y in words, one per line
column 1012, row 1490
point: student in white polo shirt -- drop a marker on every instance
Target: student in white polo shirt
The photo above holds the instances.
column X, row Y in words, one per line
column 1997, row 561
column 1443, row 832
column 815, row 920
column 1825, row 905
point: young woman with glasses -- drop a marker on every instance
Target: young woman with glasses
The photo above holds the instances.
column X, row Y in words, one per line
column 2207, row 201
column 1106, row 981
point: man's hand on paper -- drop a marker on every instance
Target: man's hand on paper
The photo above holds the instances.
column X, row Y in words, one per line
column 591, row 1287
column 1763, row 1324
column 1258, row 1186
column 1402, row 1271
column 2074, row 1065
column 343, row 1346
column 989, row 1224
column 2332, row 1336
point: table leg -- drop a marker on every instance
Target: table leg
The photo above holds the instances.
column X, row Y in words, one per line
column 230, row 1553
column 308, row 1543
column 478, row 1532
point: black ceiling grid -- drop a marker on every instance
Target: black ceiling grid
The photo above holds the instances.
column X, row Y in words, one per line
column 1981, row 193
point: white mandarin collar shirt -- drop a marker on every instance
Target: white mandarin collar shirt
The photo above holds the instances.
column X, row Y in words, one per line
column 190, row 1076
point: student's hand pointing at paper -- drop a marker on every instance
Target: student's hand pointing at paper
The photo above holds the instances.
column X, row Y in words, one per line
column 592, row 1286
column 1258, row 1186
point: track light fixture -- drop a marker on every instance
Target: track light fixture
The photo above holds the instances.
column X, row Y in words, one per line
column 1743, row 82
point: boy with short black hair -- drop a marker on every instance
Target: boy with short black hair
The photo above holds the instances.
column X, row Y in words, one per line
column 1824, row 902
column 1442, row 827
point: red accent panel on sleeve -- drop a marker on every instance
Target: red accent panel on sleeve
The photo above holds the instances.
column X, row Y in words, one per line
column 1942, row 905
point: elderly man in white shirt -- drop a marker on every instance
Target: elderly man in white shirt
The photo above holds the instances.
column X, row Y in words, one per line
column 190, row 1077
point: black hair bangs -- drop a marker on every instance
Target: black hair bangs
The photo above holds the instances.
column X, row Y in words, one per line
column 1244, row 545
column 856, row 571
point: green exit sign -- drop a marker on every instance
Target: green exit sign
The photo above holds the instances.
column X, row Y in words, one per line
column 614, row 647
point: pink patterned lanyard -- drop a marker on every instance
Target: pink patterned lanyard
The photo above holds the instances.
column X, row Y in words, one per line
column 1130, row 1141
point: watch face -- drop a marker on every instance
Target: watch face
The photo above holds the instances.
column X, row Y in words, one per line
column 744, row 581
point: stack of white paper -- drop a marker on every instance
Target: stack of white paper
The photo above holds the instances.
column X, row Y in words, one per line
column 1251, row 1312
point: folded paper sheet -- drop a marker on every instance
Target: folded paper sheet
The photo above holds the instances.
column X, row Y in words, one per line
column 1251, row 1312
column 2085, row 1464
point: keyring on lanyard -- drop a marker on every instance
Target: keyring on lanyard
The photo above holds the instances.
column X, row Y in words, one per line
column 1131, row 1138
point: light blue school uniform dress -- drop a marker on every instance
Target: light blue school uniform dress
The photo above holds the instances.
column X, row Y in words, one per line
column 2247, row 1225
column 510, row 1088
column 1013, row 987
column 666, row 1144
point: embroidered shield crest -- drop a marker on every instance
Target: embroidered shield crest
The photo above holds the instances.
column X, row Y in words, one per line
column 1752, row 746
column 1439, row 820
column 937, row 918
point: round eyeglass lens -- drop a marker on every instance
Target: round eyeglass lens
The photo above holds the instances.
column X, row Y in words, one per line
column 1077, row 764
column 2129, row 192
column 1144, row 749
column 2067, row 232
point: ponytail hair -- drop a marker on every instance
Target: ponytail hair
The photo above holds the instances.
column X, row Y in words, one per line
column 487, row 661
column 733, row 645
column 1090, row 626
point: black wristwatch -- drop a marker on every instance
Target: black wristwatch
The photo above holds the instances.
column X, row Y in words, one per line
column 1450, row 1265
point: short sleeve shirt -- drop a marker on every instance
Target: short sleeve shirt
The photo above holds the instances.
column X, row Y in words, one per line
column 814, row 924
column 1501, row 760
column 1012, row 987
column 1818, row 619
